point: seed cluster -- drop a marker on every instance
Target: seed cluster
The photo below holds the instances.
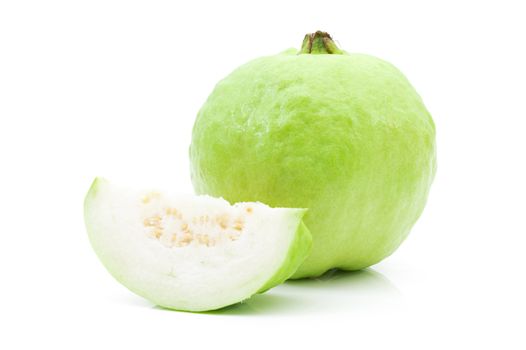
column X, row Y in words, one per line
column 172, row 229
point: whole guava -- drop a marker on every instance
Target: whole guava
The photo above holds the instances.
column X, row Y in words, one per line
column 342, row 134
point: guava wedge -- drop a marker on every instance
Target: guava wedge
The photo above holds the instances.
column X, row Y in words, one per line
column 192, row 253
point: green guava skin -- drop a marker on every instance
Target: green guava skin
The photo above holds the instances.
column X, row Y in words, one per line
column 344, row 135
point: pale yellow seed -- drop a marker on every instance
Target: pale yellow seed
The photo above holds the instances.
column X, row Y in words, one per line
column 184, row 227
column 249, row 210
column 157, row 233
column 148, row 197
column 187, row 238
column 152, row 221
column 174, row 213
column 238, row 224
column 203, row 239
column 222, row 220
column 233, row 237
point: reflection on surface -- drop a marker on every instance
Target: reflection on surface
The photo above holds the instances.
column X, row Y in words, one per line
column 259, row 304
column 334, row 279
column 334, row 291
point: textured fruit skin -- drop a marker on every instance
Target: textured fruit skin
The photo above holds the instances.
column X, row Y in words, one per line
column 346, row 136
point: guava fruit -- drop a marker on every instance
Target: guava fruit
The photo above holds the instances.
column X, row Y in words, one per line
column 343, row 134
column 192, row 253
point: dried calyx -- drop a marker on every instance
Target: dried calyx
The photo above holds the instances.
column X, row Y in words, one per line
column 319, row 43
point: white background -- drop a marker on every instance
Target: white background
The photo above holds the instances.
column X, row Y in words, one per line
column 111, row 88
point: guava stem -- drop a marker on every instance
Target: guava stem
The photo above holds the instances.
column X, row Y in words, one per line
column 319, row 43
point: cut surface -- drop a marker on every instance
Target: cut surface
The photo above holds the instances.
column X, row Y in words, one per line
column 193, row 253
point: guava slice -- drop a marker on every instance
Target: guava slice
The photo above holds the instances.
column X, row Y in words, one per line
column 192, row 253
